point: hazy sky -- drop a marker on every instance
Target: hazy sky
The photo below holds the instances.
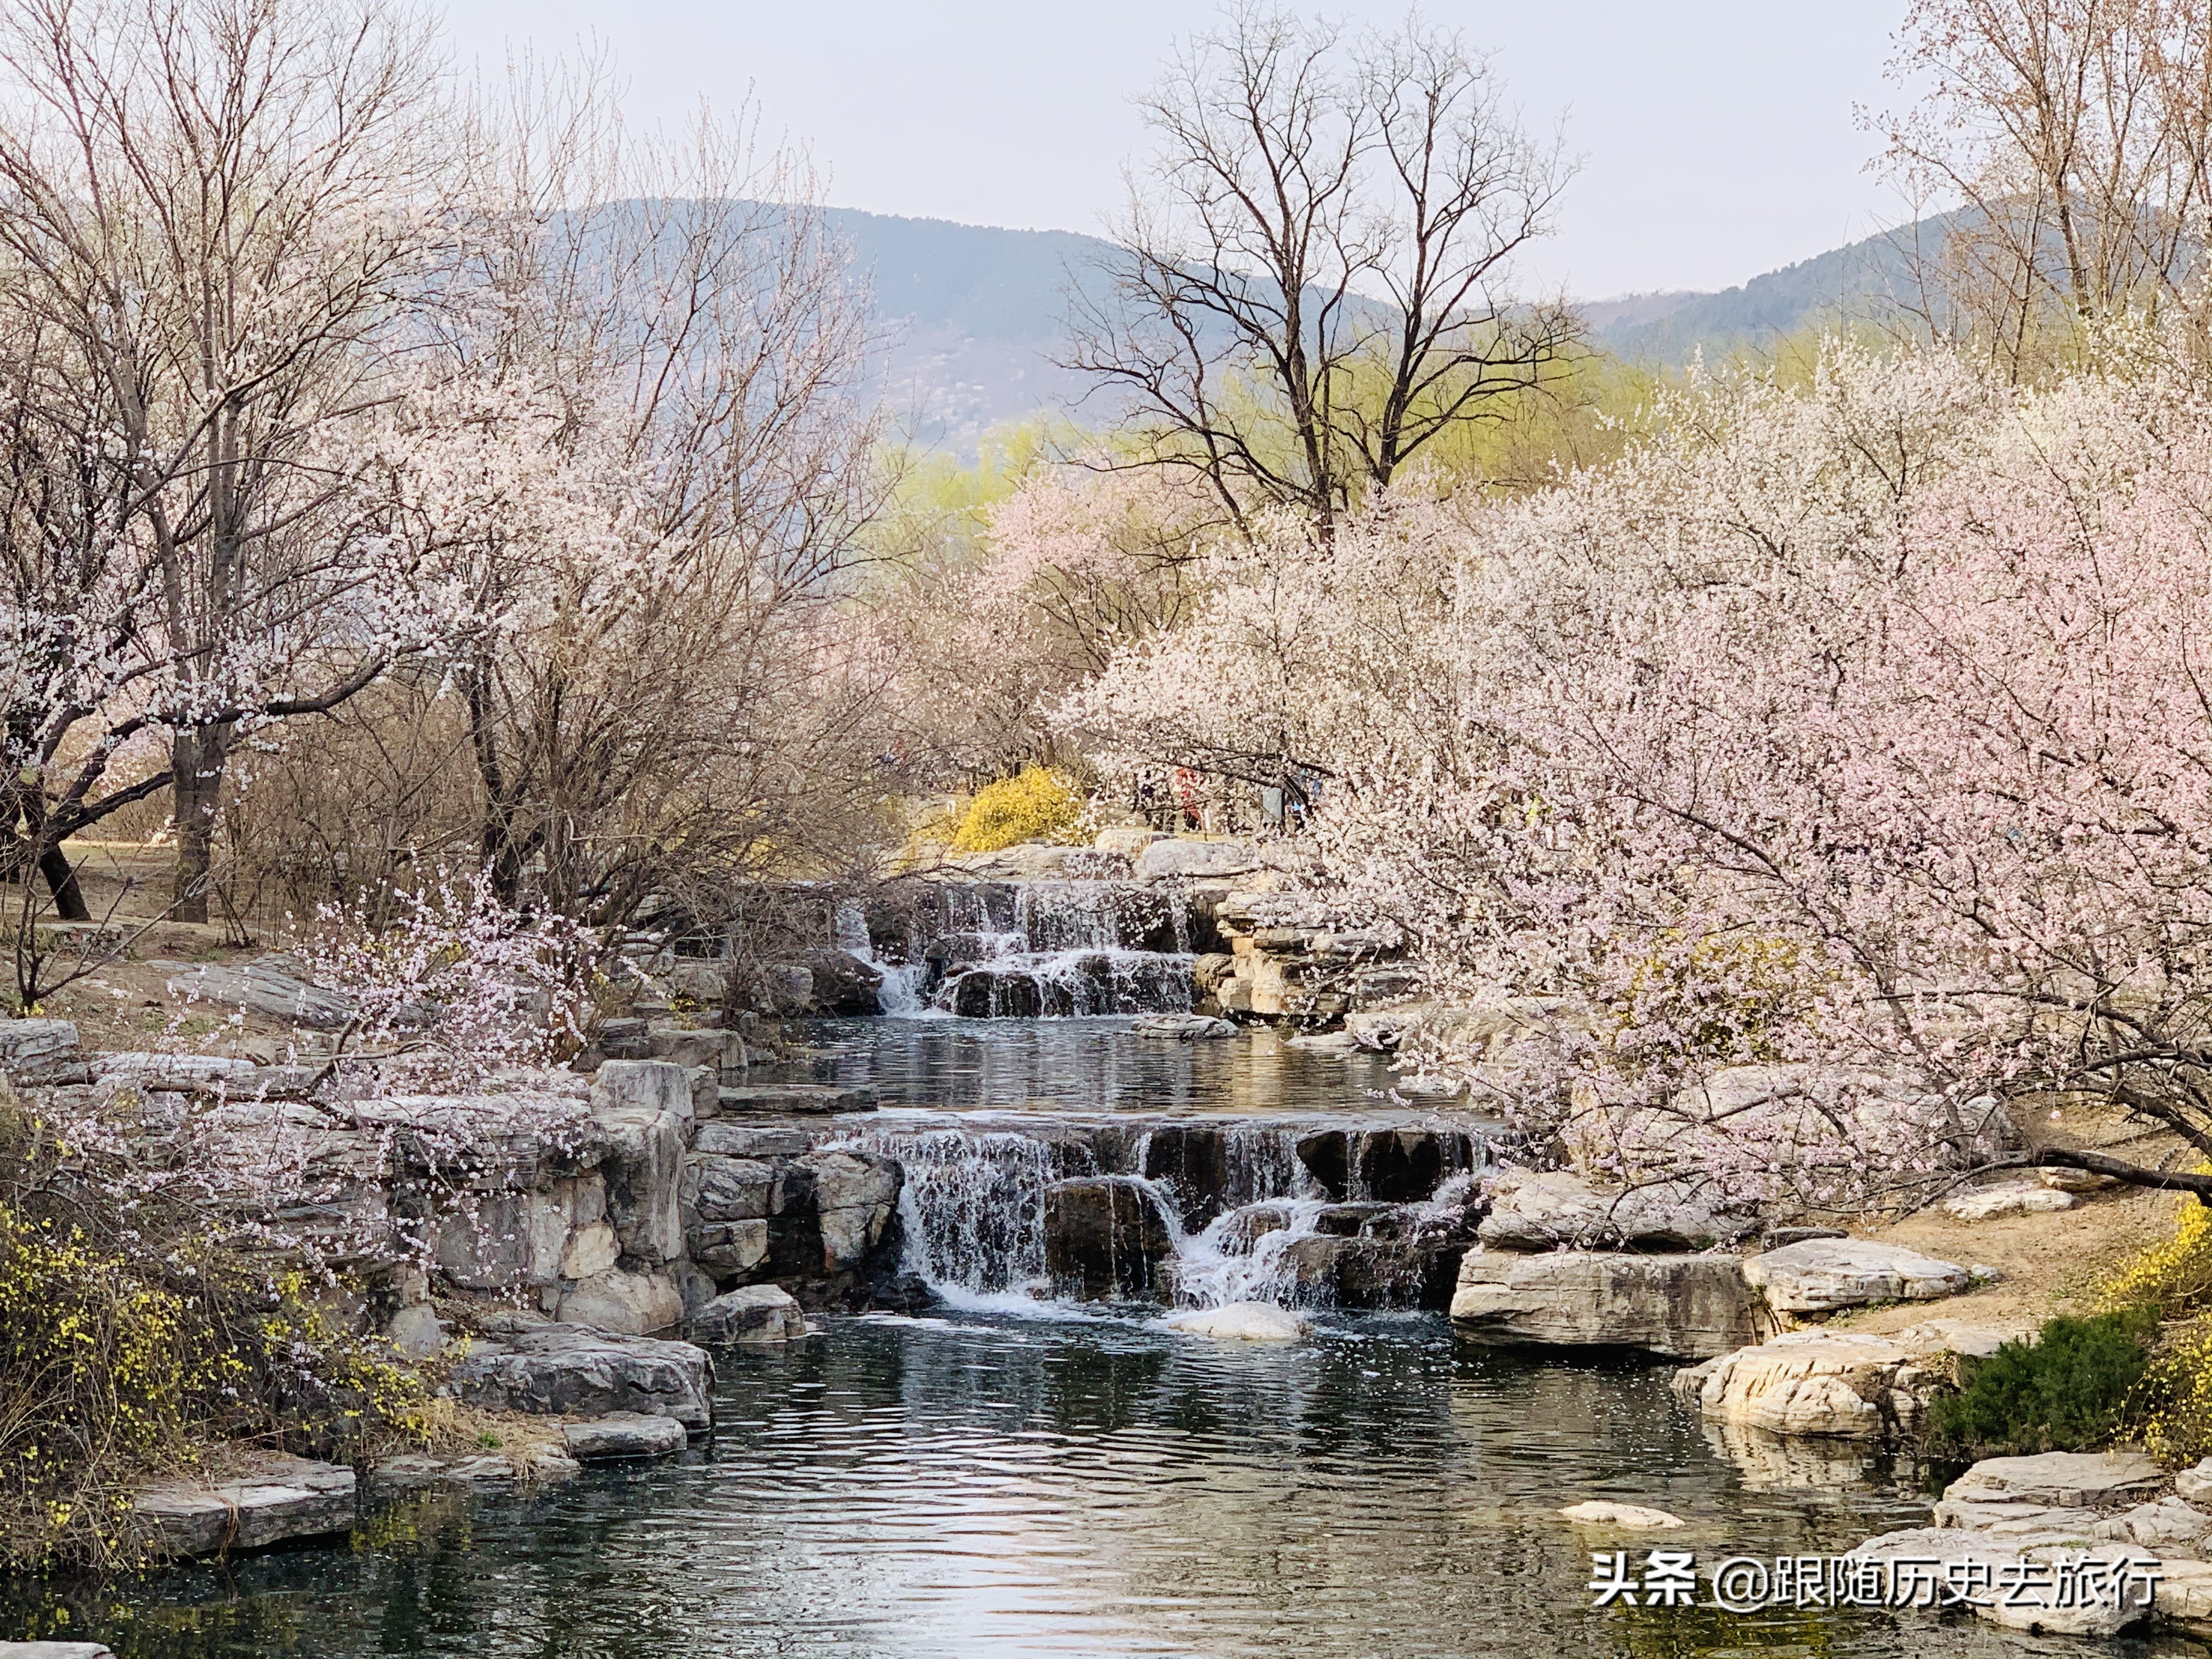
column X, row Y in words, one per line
column 1718, row 137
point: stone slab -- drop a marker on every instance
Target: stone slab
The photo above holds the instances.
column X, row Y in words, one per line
column 624, row 1434
column 2062, row 1480
column 569, row 1370
column 1815, row 1382
column 1687, row 1307
column 275, row 1498
column 1821, row 1274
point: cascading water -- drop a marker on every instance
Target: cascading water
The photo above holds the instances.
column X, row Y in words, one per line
column 1235, row 1202
column 1022, row 950
column 899, row 993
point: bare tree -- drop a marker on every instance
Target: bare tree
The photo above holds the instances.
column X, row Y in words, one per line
column 1311, row 285
column 214, row 216
column 2072, row 140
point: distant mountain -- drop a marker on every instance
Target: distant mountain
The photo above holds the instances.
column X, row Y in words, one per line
column 978, row 314
column 1866, row 282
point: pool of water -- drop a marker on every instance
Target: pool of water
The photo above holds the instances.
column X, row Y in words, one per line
column 1099, row 1067
column 1069, row 1485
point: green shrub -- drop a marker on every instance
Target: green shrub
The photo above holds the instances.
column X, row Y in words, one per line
column 2071, row 1391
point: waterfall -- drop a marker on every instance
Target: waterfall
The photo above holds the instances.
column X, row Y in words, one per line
column 898, row 994
column 1025, row 950
column 974, row 1202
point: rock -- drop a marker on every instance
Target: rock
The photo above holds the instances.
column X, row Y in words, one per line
column 2170, row 1522
column 1335, row 1044
column 2019, row 1520
column 809, row 1099
column 2068, row 1480
column 642, row 1085
column 1816, row 1383
column 1180, row 1028
column 1377, row 1029
column 845, row 984
column 643, row 1164
column 185, row 1071
column 1541, row 1211
column 1822, row 1274
column 1026, row 860
column 40, row 1050
column 1242, row 1321
column 567, row 1370
column 626, row 1303
column 2196, row 1482
column 2074, row 1181
column 1931, row 1549
column 507, row 1240
column 530, row 1466
column 1195, row 861
column 1104, row 1239
column 1351, row 1271
column 1961, row 1336
column 751, row 1140
column 1775, row 1239
column 1126, row 840
column 1394, row 1166
column 2012, row 1198
column 624, row 1434
column 275, row 1498
column 1688, row 1307
column 855, row 1198
column 705, row 982
column 1629, row 1517
column 276, row 986
column 752, row 1313
column 2185, row 1596
column 415, row 1330
column 55, row 1651
column 1422, row 1085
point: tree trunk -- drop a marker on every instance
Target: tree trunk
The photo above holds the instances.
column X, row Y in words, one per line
column 61, row 881
column 196, row 763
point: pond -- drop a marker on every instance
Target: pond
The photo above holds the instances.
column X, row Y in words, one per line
column 940, row 1488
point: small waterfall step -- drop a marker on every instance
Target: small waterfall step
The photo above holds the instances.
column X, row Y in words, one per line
column 807, row 1098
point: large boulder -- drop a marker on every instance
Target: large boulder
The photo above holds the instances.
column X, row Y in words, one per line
column 1688, row 1307
column 273, row 1498
column 1534, row 1210
column 854, row 1196
column 628, row 1304
column 509, row 1239
column 624, row 1434
column 1356, row 1271
column 569, row 1370
column 843, row 984
column 1105, row 1239
column 2008, row 1198
column 1823, row 1273
column 1817, row 1382
column 752, row 1313
column 1242, row 1321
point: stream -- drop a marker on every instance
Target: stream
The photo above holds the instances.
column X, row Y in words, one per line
column 1015, row 1476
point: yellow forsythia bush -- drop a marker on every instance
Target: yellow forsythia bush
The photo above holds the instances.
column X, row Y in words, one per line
column 1034, row 806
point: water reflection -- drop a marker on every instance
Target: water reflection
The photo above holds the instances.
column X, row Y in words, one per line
column 1098, row 1066
column 925, row 1488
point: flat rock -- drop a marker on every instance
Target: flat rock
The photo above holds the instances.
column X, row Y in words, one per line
column 1687, row 1307
column 1195, row 860
column 1336, row 1044
column 276, row 986
column 1542, row 1210
column 569, row 1370
column 1815, row 1382
column 1821, row 1273
column 534, row 1466
column 752, row 1140
column 802, row 1099
column 1632, row 1516
column 2062, row 1480
column 627, row 1304
column 2020, row 1520
column 2074, row 1181
column 55, row 1651
column 624, row 1434
column 750, row 1313
column 2013, row 1198
column 1180, row 1028
column 1241, row 1322
column 274, row 1499
column 1963, row 1336
column 2004, row 1556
